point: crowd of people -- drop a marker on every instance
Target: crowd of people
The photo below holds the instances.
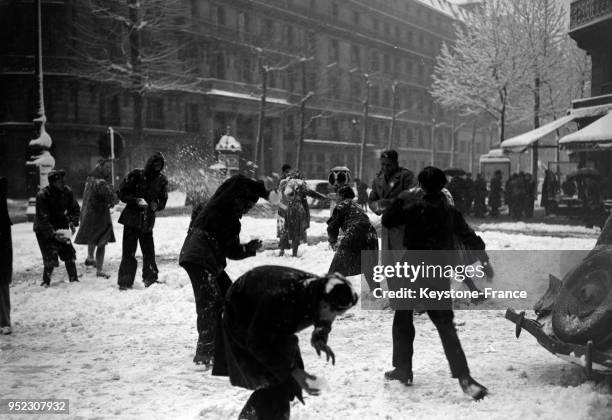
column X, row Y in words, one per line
column 246, row 328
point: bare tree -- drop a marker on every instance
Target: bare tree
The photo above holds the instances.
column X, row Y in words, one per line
column 136, row 45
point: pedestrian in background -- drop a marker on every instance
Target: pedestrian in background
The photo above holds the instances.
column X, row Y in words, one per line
column 56, row 218
column 495, row 194
column 145, row 192
column 6, row 256
column 480, row 196
column 96, row 226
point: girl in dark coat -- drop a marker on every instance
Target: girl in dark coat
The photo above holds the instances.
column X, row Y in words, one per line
column 264, row 310
column 96, row 226
column 213, row 236
column 431, row 224
column 6, row 256
column 359, row 235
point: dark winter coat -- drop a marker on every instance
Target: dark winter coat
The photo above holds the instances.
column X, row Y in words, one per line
column 98, row 197
column 6, row 244
column 359, row 235
column 148, row 184
column 383, row 188
column 264, row 309
column 214, row 232
column 495, row 192
column 431, row 224
column 55, row 209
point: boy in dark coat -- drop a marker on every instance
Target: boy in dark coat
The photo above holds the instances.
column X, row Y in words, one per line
column 57, row 214
column 431, row 224
column 359, row 235
column 214, row 235
column 264, row 309
column 6, row 256
column 145, row 192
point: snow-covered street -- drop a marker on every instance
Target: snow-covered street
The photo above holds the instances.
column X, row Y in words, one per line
column 128, row 354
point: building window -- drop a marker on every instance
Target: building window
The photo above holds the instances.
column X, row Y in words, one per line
column 192, row 123
column 219, row 66
column 335, row 130
column 386, row 63
column 374, row 95
column 355, row 56
column 269, row 30
column 375, row 24
column 356, row 90
column 194, row 8
column 398, row 33
column 155, row 113
column 245, row 69
column 334, row 88
column 386, row 98
column 408, row 67
column 356, row 18
column 409, row 37
column 374, row 61
column 220, row 15
column 289, row 35
column 244, row 22
column 387, row 29
column 334, row 11
column 334, row 50
column 397, row 66
column 110, row 110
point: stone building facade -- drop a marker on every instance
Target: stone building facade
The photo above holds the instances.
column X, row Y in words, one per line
column 331, row 48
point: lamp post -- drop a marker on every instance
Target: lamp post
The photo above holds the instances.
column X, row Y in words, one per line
column 40, row 146
column 393, row 115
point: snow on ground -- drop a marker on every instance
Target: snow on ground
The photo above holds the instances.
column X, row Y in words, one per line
column 128, row 354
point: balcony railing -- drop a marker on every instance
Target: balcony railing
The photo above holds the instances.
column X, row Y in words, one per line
column 585, row 11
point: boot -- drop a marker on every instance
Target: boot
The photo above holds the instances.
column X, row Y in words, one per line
column 47, row 271
column 202, row 356
column 472, row 388
column 72, row 271
column 402, row 375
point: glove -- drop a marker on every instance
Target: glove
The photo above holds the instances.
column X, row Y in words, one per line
column 252, row 246
column 140, row 202
column 318, row 340
column 333, row 246
column 153, row 206
column 72, row 228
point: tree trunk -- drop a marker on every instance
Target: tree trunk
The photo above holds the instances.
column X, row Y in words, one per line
column 472, row 146
column 136, row 154
column 262, row 112
column 536, row 124
column 393, row 116
column 364, row 130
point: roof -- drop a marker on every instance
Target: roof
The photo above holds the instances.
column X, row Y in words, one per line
column 599, row 132
column 521, row 142
column 452, row 10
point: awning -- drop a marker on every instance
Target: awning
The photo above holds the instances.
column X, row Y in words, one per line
column 495, row 156
column 521, row 142
column 594, row 135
